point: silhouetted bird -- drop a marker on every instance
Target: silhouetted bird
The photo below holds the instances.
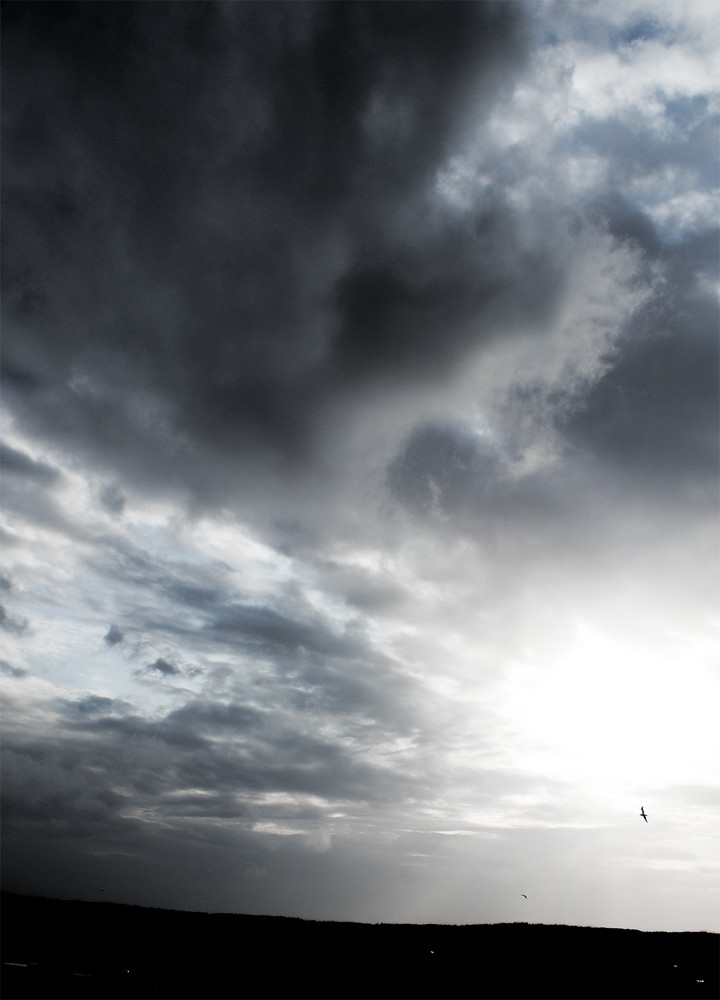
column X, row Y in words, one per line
column 523, row 895
column 642, row 813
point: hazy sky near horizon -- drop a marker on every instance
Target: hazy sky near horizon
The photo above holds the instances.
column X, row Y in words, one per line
column 360, row 459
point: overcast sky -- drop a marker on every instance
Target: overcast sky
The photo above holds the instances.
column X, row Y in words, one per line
column 360, row 466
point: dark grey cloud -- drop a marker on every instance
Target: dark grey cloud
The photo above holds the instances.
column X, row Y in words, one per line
column 216, row 716
column 276, row 253
column 443, row 469
column 451, row 477
column 15, row 624
column 163, row 667
column 266, row 251
column 167, row 669
column 99, row 705
column 371, row 592
column 113, row 498
column 54, row 785
column 10, row 671
column 29, row 489
column 270, row 629
column 28, row 485
column 120, row 759
column 649, row 421
column 628, row 224
column 464, row 281
column 230, row 238
column 17, row 463
column 113, row 636
column 11, row 622
column 655, row 412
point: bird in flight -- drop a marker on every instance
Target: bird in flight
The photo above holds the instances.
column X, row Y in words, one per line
column 523, row 895
column 642, row 813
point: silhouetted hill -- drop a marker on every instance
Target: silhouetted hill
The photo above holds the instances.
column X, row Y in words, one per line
column 56, row 948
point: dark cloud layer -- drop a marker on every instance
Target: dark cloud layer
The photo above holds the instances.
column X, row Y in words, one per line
column 221, row 218
column 225, row 757
column 654, row 413
column 218, row 249
column 15, row 463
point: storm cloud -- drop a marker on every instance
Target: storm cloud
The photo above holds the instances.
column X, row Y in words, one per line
column 293, row 154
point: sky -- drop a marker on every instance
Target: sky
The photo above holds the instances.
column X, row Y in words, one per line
column 360, row 459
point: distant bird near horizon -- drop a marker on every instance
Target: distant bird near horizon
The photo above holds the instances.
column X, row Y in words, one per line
column 642, row 813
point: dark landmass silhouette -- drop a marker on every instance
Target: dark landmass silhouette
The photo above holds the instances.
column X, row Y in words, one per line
column 58, row 948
